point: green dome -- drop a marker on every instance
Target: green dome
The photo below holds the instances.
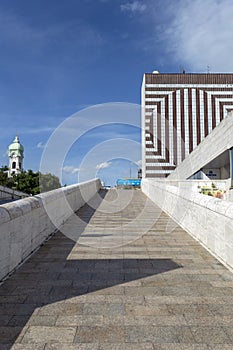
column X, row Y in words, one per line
column 16, row 147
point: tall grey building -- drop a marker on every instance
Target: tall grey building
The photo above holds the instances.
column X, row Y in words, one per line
column 178, row 112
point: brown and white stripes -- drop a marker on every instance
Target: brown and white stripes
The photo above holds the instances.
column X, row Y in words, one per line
column 178, row 112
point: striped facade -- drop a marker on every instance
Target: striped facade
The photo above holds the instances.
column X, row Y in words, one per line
column 178, row 112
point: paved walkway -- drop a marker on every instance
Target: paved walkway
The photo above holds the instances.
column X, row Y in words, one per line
column 133, row 281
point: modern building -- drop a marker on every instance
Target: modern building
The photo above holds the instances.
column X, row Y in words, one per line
column 16, row 155
column 178, row 112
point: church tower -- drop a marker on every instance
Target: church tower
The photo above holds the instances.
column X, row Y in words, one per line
column 15, row 153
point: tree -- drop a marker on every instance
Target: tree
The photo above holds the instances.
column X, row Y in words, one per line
column 48, row 182
column 30, row 182
column 27, row 182
column 3, row 176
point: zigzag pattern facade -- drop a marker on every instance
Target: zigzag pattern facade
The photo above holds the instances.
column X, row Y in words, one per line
column 177, row 117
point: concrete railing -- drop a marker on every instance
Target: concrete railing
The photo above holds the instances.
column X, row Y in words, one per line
column 25, row 224
column 207, row 219
column 7, row 193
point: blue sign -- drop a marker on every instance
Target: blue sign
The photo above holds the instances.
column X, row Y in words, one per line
column 129, row 182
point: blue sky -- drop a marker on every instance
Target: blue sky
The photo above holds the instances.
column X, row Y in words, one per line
column 58, row 57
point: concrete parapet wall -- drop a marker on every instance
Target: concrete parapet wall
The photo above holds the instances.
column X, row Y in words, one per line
column 207, row 219
column 26, row 223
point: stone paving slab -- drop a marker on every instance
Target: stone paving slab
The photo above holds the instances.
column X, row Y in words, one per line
column 129, row 283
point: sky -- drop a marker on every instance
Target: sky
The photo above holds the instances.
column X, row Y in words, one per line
column 60, row 57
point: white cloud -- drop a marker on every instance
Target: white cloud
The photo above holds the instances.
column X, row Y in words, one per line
column 40, row 145
column 133, row 7
column 139, row 163
column 103, row 165
column 36, row 130
column 69, row 169
column 200, row 35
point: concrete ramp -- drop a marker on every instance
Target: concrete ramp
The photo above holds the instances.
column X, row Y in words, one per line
column 131, row 281
column 112, row 219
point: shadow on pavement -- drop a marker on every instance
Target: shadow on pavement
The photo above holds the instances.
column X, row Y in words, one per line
column 49, row 277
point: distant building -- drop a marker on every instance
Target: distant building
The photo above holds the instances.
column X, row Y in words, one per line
column 16, row 155
column 178, row 112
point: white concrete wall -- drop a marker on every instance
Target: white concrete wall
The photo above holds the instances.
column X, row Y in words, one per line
column 207, row 219
column 195, row 185
column 26, row 223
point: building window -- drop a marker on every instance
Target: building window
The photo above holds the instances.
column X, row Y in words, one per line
column 13, row 165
